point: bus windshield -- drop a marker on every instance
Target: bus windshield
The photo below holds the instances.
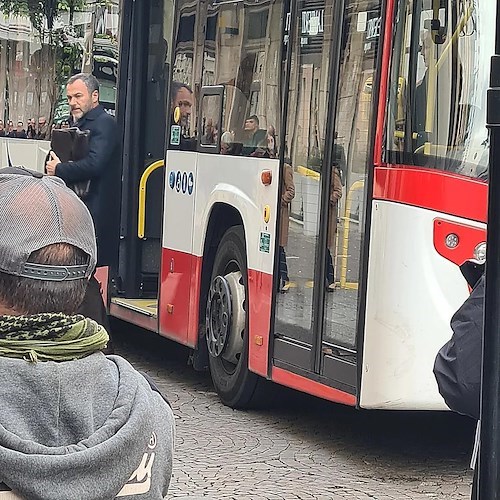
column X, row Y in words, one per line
column 437, row 85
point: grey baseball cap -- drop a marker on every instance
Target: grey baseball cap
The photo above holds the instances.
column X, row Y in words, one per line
column 37, row 211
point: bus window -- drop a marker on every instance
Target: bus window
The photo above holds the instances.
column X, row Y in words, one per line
column 242, row 52
column 209, row 127
column 435, row 114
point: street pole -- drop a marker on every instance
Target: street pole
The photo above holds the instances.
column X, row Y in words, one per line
column 489, row 453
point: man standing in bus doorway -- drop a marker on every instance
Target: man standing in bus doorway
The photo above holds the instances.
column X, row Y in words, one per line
column 100, row 169
column 73, row 422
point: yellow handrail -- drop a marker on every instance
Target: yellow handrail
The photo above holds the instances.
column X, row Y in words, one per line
column 433, row 70
column 141, row 219
column 356, row 186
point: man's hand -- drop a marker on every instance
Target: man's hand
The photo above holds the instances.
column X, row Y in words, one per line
column 50, row 166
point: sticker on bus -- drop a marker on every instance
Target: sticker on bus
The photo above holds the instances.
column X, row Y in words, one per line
column 175, row 135
column 265, row 242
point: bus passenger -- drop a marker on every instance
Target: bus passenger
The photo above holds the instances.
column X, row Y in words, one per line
column 74, row 423
column 253, row 135
column 287, row 195
column 226, row 142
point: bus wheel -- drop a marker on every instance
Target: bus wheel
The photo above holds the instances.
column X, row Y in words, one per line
column 227, row 322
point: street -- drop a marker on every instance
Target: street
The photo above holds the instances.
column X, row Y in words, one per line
column 298, row 447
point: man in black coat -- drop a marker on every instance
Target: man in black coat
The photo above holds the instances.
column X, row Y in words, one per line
column 99, row 167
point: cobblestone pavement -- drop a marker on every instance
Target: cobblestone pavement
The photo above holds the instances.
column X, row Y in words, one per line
column 299, row 447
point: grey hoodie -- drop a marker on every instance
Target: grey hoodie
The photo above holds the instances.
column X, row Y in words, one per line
column 86, row 429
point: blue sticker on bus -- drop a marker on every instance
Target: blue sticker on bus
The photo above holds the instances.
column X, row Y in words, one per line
column 181, row 182
column 178, row 180
column 184, row 182
column 190, row 183
column 171, row 180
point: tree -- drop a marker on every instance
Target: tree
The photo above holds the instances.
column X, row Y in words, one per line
column 57, row 58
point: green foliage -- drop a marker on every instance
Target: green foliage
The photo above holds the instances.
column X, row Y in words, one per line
column 39, row 11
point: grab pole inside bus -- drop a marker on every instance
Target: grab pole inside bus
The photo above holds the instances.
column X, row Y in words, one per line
column 489, row 453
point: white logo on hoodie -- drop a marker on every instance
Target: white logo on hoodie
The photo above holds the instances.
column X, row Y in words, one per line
column 140, row 481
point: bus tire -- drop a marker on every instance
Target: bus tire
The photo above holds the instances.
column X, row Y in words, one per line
column 227, row 322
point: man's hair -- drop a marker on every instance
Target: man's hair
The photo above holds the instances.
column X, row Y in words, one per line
column 255, row 118
column 176, row 86
column 29, row 296
column 90, row 81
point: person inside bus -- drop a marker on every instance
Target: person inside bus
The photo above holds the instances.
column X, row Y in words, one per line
column 287, row 195
column 74, row 423
column 100, row 168
column 2, row 129
column 209, row 137
column 253, row 135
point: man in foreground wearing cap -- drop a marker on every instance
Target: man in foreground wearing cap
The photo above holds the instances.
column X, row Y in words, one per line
column 73, row 422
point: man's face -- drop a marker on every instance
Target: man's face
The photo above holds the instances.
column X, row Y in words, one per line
column 427, row 47
column 80, row 100
column 42, row 122
column 20, row 126
column 184, row 100
column 250, row 125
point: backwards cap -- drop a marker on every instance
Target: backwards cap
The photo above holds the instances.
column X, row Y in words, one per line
column 37, row 211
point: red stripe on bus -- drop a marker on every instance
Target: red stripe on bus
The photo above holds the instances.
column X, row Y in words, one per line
column 294, row 381
column 436, row 190
column 384, row 81
column 179, row 296
column 260, row 286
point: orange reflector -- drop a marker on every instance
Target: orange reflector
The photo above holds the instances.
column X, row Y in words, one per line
column 259, row 340
column 266, row 177
column 170, row 308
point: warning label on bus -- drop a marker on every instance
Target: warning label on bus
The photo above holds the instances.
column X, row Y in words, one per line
column 265, row 242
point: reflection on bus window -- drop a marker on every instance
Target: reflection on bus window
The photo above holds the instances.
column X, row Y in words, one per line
column 37, row 60
column 242, row 49
column 436, row 116
column 210, row 111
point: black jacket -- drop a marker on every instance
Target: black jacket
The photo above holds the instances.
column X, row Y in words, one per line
column 457, row 367
column 101, row 167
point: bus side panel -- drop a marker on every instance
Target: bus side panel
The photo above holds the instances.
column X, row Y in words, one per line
column 412, row 292
column 243, row 189
column 179, row 298
column 178, row 261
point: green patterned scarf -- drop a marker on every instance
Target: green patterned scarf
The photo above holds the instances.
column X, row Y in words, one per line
column 50, row 337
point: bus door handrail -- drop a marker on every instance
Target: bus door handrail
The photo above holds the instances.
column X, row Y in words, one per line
column 141, row 218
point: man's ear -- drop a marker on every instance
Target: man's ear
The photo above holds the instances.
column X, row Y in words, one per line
column 95, row 96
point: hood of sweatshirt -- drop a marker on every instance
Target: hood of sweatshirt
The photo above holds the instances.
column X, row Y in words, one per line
column 90, row 428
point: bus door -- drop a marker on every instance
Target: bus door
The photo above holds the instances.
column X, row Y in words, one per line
column 143, row 115
column 328, row 123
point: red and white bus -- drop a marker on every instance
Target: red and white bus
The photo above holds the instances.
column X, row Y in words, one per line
column 381, row 104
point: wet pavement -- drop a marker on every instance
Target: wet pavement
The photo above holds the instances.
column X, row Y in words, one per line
column 298, row 447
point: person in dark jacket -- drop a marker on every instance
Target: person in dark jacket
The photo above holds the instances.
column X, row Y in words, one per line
column 458, row 364
column 19, row 133
column 100, row 167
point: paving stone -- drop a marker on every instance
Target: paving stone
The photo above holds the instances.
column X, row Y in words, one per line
column 302, row 447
